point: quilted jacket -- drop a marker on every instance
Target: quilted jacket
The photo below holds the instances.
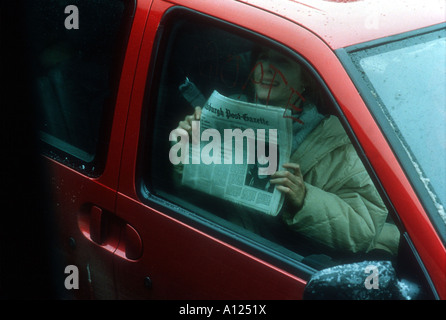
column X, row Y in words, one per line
column 342, row 208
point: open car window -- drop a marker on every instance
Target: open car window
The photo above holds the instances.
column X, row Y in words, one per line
column 243, row 85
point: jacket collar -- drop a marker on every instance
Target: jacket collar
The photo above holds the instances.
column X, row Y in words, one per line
column 326, row 137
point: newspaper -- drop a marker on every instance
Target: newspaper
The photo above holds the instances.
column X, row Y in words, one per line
column 238, row 167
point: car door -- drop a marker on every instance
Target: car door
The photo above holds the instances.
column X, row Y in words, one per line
column 82, row 105
column 190, row 245
column 183, row 255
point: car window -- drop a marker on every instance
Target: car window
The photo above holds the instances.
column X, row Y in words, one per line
column 257, row 98
column 75, row 48
column 416, row 100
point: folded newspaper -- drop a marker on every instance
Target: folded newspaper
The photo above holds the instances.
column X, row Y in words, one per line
column 235, row 150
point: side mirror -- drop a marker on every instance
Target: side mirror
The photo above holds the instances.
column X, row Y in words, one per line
column 369, row 280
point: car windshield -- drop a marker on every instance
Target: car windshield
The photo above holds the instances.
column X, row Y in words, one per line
column 408, row 79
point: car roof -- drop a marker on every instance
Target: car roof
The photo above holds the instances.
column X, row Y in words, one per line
column 341, row 23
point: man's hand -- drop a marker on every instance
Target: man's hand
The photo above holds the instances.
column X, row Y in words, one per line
column 291, row 183
column 186, row 124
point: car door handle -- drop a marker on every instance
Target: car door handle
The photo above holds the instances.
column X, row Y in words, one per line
column 96, row 224
column 131, row 244
column 111, row 232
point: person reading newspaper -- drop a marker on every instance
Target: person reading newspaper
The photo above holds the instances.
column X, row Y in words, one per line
column 328, row 194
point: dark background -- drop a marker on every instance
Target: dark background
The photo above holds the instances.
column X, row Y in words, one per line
column 26, row 227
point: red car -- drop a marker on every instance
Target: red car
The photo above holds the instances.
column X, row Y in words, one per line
column 112, row 83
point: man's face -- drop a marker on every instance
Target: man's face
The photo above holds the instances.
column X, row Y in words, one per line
column 276, row 79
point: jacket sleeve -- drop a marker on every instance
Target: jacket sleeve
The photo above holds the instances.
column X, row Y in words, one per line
column 342, row 208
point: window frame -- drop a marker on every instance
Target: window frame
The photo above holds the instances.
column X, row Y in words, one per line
column 258, row 246
column 93, row 165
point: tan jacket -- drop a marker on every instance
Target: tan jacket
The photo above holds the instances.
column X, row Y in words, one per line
column 342, row 208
